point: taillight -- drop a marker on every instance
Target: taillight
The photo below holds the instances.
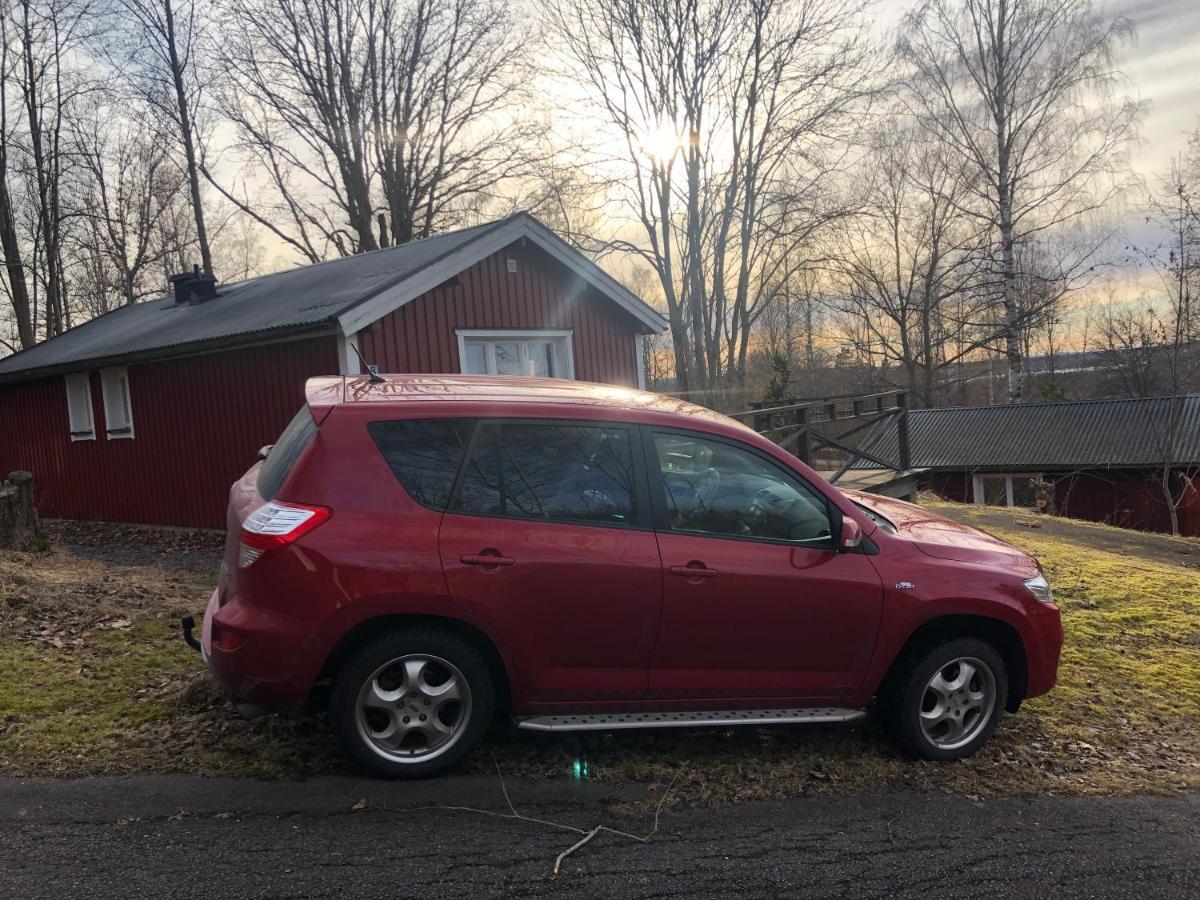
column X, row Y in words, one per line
column 275, row 525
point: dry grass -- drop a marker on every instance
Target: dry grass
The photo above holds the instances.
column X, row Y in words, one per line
column 94, row 679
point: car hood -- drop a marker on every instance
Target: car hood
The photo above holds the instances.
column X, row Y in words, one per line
column 944, row 538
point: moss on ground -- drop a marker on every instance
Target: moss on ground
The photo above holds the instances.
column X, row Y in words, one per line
column 94, row 679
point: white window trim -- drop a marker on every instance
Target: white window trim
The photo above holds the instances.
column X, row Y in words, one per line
column 563, row 341
column 81, row 383
column 977, row 485
column 639, row 343
column 110, row 379
column 348, row 354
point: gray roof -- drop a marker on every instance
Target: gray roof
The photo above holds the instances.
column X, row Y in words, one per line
column 1029, row 436
column 307, row 299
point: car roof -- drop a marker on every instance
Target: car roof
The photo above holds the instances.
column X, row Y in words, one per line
column 323, row 393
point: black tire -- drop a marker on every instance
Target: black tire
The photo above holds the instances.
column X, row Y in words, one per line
column 901, row 699
column 442, row 650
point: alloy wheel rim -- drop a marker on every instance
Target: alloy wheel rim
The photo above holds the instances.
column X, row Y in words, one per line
column 413, row 708
column 957, row 703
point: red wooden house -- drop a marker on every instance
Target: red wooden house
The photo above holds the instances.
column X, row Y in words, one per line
column 148, row 413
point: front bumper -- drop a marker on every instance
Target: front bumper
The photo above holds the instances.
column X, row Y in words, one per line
column 1043, row 649
column 253, row 652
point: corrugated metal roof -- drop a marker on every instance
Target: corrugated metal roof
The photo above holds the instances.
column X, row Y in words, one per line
column 1090, row 433
column 301, row 299
column 310, row 298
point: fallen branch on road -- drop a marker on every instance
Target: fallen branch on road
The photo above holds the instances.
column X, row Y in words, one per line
column 512, row 813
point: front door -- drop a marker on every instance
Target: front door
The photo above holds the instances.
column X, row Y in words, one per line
column 757, row 602
column 548, row 540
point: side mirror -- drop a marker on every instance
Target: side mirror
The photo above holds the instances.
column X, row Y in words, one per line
column 851, row 535
column 264, row 451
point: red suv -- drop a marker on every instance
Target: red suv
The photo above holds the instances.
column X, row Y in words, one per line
column 580, row 556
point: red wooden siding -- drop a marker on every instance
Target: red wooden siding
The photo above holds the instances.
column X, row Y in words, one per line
column 198, row 422
column 541, row 294
column 1128, row 498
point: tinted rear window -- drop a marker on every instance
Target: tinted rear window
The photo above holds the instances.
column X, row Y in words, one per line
column 574, row 473
column 425, row 455
column 285, row 452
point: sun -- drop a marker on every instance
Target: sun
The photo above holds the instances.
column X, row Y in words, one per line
column 660, row 140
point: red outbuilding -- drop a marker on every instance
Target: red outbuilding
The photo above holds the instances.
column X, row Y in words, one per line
column 1102, row 460
column 148, row 413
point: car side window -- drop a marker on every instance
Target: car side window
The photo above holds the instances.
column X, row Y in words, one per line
column 713, row 487
column 424, row 454
column 575, row 473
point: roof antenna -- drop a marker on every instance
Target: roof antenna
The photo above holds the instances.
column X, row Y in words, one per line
column 373, row 376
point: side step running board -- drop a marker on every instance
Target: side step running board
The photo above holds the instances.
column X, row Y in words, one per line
column 691, row 719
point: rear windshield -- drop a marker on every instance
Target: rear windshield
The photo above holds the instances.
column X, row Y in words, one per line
column 285, row 452
column 425, row 455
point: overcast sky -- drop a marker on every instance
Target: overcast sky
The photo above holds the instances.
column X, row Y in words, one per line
column 1162, row 65
column 1164, row 68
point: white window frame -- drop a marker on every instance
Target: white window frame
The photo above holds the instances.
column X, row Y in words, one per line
column 561, row 341
column 118, row 405
column 977, row 485
column 639, row 344
column 79, row 395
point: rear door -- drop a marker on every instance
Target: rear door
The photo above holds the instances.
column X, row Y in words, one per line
column 548, row 539
column 757, row 601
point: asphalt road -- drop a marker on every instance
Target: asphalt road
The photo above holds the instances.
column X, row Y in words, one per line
column 195, row 837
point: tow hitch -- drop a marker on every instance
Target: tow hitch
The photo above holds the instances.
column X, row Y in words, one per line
column 188, row 624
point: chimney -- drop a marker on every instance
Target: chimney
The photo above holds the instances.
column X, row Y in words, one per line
column 194, row 286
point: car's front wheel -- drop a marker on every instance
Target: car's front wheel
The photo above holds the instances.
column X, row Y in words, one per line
column 410, row 704
column 945, row 699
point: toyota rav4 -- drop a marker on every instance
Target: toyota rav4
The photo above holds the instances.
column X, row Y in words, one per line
column 422, row 553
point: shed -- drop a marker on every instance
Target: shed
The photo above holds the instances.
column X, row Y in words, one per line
column 1104, row 458
column 148, row 413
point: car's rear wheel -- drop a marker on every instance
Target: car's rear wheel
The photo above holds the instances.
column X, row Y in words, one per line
column 944, row 700
column 410, row 704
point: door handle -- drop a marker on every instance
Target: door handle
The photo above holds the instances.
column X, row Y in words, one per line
column 486, row 559
column 694, row 569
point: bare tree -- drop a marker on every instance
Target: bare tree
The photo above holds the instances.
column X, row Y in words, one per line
column 15, row 284
column 909, row 252
column 47, row 37
column 1143, row 348
column 1019, row 89
column 790, row 325
column 731, row 117
column 373, row 121
column 132, row 186
column 1154, row 348
column 160, row 60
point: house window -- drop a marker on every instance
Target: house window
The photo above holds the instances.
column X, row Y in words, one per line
column 541, row 354
column 79, row 407
column 118, row 413
column 1005, row 489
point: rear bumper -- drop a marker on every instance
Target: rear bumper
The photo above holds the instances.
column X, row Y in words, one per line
column 253, row 653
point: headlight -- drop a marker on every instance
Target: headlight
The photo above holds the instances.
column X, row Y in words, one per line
column 1040, row 587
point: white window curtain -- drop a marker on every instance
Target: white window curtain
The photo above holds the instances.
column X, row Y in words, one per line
column 539, row 354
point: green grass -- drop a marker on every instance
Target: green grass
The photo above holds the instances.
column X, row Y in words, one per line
column 94, row 679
